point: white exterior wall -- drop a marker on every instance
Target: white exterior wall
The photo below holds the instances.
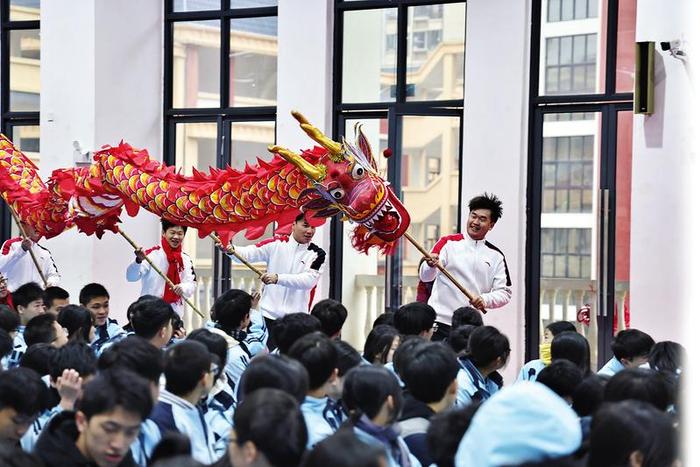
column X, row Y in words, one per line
column 495, row 142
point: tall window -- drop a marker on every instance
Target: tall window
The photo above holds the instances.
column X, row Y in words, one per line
column 19, row 82
column 400, row 69
column 580, row 152
column 220, row 105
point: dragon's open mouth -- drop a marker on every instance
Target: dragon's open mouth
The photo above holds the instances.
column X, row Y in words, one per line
column 386, row 219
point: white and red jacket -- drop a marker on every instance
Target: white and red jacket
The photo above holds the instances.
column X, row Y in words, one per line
column 153, row 284
column 17, row 265
column 478, row 265
column 298, row 268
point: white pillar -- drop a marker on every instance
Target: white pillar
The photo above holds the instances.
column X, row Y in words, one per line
column 101, row 75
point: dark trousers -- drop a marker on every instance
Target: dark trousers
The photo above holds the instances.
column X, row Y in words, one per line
column 442, row 333
column 271, row 344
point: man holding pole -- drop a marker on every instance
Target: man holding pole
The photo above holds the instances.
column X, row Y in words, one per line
column 17, row 264
column 170, row 259
column 473, row 261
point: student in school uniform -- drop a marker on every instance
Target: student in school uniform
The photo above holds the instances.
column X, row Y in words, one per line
column 478, row 379
column 28, row 301
column 530, row 370
column 95, row 298
column 631, row 349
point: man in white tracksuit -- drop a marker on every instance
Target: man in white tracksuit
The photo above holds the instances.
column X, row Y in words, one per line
column 473, row 261
column 17, row 265
column 172, row 261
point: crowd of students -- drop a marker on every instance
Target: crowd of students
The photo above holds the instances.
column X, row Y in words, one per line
column 78, row 389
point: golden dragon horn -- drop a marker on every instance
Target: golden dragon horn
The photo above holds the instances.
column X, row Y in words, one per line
column 315, row 172
column 335, row 148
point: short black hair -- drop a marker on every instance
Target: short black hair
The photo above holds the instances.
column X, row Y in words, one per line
column 446, row 431
column 486, row 344
column 40, row 329
column 385, row 318
column 414, row 318
column 6, row 343
column 12, row 455
column 332, row 315
column 300, row 217
column 54, row 293
column 459, row 337
column 9, row 319
column 365, row 390
column 76, row 356
column 646, row 429
column 166, row 224
column 185, row 364
column 640, row 384
column 216, row 343
column 344, row 449
column 348, row 357
column 130, row 309
column 589, row 395
column 378, row 343
column 404, row 352
column 77, row 320
column 173, row 444
column 231, row 308
column 272, row 420
column 431, row 370
column 562, row 377
column 278, row 372
column 631, row 343
column 23, row 390
column 26, row 294
column 573, row 347
column 90, row 291
column 557, row 327
column 135, row 354
column 467, row 315
column 289, row 328
column 38, row 358
column 487, row 201
column 116, row 388
column 667, row 356
column 318, row 355
column 150, row 316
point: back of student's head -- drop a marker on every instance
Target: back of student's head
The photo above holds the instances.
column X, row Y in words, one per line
column 287, row 329
column 332, row 315
column 91, row 291
column 348, row 357
column 446, row 431
column 625, row 430
column 130, row 309
column 277, row 372
column 385, row 318
column 171, row 446
column 271, row 420
column 573, row 347
column 54, row 293
column 459, row 337
column 467, row 315
column 23, row 390
column 6, row 344
column 667, row 356
column 486, row 344
column 185, row 364
column 318, row 355
column 344, row 449
column 116, row 388
column 589, row 395
column 414, row 318
column 40, row 330
column 562, row 377
column 231, row 308
column 9, row 319
column 214, row 342
column 38, row 357
column 632, row 343
column 26, row 294
column 431, row 370
column 150, row 316
column 367, row 388
column 135, row 354
column 76, row 356
column 12, row 455
column 404, row 352
column 379, row 342
column 77, row 320
column 557, row 327
column 640, row 384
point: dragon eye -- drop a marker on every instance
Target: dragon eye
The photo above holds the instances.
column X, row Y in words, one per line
column 337, row 193
column 358, row 171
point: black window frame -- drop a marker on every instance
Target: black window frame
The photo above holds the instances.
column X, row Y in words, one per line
column 10, row 119
column 393, row 111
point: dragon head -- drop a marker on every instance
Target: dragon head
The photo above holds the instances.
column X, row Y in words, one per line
column 348, row 182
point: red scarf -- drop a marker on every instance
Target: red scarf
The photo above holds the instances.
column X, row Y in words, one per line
column 175, row 267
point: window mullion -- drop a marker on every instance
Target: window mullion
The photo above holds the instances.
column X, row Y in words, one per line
column 401, row 53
